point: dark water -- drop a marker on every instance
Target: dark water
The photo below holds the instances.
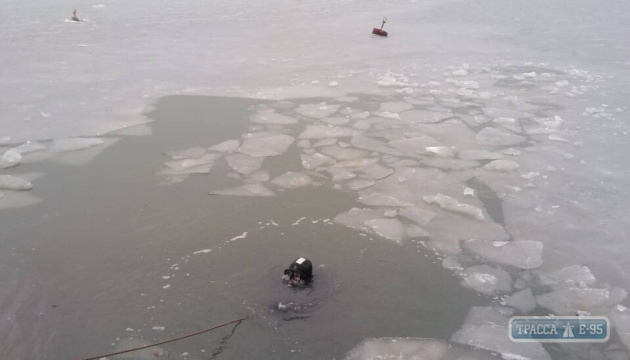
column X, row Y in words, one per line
column 84, row 266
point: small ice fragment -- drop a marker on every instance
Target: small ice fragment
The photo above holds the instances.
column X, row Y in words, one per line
column 479, row 155
column 451, row 204
column 245, row 190
column 317, row 111
column 469, row 192
column 202, row 251
column 511, row 152
column 486, row 279
column 502, row 165
column 292, row 180
column 416, row 231
column 12, row 182
column 340, row 153
column 166, row 286
column 441, row 151
column 10, row 158
column 29, row 147
column 315, row 160
column 238, row 237
column 325, row 142
column 158, row 328
column 460, row 72
column 227, row 146
column 554, row 137
column 333, row 84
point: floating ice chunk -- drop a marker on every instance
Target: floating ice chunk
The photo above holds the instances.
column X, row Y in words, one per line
column 326, row 132
column 179, row 165
column 395, row 107
column 356, row 218
column 10, row 158
column 414, row 145
column 317, row 111
column 258, row 176
column 398, row 348
column 292, row 180
column 315, row 160
column 12, row 182
column 450, row 164
column 204, row 251
column 509, row 123
column 340, row 174
column 554, row 137
column 391, row 229
column 451, row 204
column 494, row 136
column 197, row 169
column 390, row 79
column 29, row 147
column 485, row 328
column 72, row 144
column 376, row 172
column 451, row 263
column 304, row 144
column 524, row 254
column 243, row 164
column 238, row 237
column 191, row 153
column 424, row 116
column 460, row 72
column 502, row 165
column 367, row 143
column 416, row 231
column 245, row 190
column 441, row 151
column 336, row 121
column 360, row 184
column 574, row 274
column 227, row 146
column 486, row 279
column 340, row 153
column 158, row 328
column 469, row 192
column 511, row 152
column 272, row 145
column 388, row 115
column 379, row 199
column 325, row 142
column 417, row 215
column 568, row 301
column 523, row 300
column 273, row 118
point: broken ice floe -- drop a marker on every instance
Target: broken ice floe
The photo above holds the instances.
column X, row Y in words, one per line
column 273, row 118
column 486, row 279
column 262, row 146
column 243, row 164
column 12, row 182
column 317, row 111
column 494, row 136
column 227, row 146
column 245, row 190
column 578, row 275
column 292, row 180
column 568, row 301
column 325, row 132
column 486, row 328
column 451, row 204
column 398, row 348
column 391, row 229
column 524, row 254
column 524, row 301
column 10, row 158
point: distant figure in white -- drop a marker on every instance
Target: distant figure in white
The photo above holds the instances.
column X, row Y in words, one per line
column 75, row 17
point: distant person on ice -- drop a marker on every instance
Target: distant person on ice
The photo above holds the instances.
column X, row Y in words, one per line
column 75, row 17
